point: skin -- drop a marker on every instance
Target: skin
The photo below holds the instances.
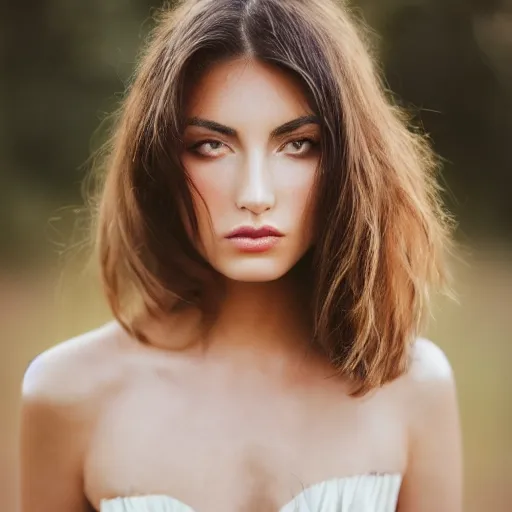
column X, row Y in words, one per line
column 251, row 178
column 246, row 418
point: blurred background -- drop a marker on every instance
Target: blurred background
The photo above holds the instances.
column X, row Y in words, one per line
column 65, row 64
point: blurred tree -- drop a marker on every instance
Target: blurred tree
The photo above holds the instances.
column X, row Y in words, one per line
column 433, row 60
column 65, row 65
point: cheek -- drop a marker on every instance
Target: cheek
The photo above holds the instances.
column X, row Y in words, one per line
column 212, row 194
column 296, row 182
column 298, row 199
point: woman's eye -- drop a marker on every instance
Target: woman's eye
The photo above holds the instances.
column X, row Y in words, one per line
column 207, row 147
column 213, row 148
column 300, row 147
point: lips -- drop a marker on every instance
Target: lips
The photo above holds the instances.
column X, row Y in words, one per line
column 250, row 232
column 254, row 240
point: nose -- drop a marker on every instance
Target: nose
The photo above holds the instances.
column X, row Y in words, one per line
column 255, row 190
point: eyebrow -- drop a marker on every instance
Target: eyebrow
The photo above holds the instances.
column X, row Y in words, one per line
column 284, row 129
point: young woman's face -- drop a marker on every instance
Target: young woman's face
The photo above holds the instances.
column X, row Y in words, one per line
column 251, row 151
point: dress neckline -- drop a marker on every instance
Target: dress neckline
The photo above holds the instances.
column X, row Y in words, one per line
column 336, row 482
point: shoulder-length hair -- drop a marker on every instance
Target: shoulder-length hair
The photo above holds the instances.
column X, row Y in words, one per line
column 381, row 229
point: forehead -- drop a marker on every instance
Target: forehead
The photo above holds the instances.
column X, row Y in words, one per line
column 241, row 89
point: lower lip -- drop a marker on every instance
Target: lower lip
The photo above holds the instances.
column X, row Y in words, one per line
column 260, row 244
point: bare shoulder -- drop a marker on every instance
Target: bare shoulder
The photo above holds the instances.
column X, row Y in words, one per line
column 429, row 364
column 433, row 476
column 62, row 393
column 429, row 385
column 74, row 371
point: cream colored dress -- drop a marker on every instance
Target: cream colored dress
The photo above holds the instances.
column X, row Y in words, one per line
column 362, row 493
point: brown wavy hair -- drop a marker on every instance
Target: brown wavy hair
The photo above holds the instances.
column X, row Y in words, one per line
column 382, row 232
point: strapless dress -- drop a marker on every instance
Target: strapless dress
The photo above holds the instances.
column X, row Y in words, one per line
column 360, row 493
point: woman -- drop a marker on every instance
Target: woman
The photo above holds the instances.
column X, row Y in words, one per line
column 269, row 232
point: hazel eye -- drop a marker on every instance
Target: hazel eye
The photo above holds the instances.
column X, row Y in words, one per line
column 300, row 146
column 207, row 148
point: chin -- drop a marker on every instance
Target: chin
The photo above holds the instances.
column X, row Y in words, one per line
column 255, row 271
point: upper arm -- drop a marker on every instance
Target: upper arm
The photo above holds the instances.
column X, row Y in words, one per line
column 51, row 441
column 433, row 479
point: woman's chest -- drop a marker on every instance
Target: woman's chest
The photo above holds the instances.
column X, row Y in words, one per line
column 234, row 448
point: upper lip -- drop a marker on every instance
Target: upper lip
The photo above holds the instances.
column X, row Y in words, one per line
column 252, row 232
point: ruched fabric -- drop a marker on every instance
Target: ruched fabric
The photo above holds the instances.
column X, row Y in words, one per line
column 362, row 493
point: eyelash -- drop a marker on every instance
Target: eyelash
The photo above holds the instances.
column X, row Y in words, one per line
column 314, row 143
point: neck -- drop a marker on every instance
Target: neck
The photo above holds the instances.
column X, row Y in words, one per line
column 270, row 317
